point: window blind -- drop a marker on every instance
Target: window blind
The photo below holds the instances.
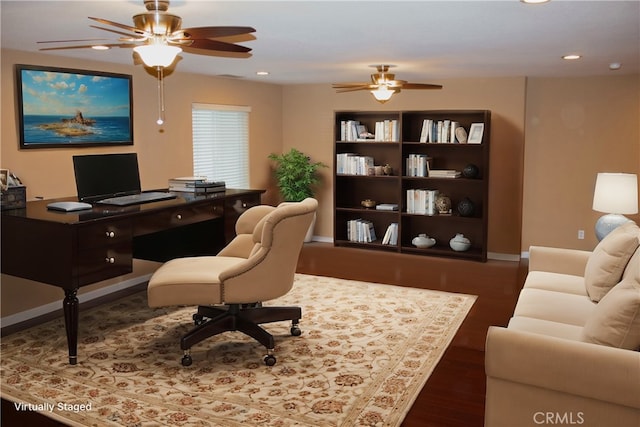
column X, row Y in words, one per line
column 221, row 143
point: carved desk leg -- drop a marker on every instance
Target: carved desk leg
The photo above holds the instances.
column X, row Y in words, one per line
column 70, row 305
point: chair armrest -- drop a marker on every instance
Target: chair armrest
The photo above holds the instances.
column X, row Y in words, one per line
column 581, row 369
column 558, row 260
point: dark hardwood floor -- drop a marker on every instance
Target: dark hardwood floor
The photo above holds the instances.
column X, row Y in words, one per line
column 454, row 394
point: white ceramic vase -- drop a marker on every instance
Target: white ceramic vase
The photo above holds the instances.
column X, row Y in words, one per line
column 459, row 243
column 423, row 241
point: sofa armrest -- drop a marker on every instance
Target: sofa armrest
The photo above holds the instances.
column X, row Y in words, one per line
column 558, row 260
column 581, row 369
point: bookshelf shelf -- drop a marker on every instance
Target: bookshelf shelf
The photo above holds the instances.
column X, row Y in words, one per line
column 406, row 132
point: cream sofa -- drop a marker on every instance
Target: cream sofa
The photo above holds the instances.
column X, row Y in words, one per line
column 569, row 355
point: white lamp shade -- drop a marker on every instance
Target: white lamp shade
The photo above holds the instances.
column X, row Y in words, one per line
column 157, row 55
column 616, row 193
column 383, row 93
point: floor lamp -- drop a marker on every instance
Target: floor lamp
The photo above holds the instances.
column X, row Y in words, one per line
column 615, row 194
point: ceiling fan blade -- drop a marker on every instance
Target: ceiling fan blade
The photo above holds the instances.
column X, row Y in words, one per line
column 70, row 41
column 91, row 45
column 128, row 35
column 122, row 26
column 348, row 85
column 420, row 86
column 207, row 44
column 353, row 89
column 213, row 32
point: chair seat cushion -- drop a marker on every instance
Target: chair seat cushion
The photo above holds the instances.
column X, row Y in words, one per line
column 189, row 281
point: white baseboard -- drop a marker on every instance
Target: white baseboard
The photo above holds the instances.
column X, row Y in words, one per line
column 57, row 305
column 503, row 257
column 322, row 239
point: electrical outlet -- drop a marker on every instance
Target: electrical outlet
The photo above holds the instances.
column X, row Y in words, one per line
column 580, row 234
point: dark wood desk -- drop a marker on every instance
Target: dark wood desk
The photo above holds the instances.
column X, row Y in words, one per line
column 75, row 249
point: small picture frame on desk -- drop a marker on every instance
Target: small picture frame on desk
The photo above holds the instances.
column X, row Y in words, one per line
column 475, row 133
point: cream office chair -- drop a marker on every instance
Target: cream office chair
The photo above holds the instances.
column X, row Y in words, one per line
column 257, row 266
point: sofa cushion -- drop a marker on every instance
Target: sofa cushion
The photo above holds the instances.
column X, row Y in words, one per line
column 616, row 320
column 607, row 262
column 558, row 282
column 546, row 327
column 554, row 306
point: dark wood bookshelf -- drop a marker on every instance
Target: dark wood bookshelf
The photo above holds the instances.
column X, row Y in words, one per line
column 351, row 189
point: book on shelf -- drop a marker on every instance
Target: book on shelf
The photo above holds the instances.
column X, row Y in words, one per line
column 353, row 164
column 387, row 207
column 439, row 131
column 361, row 231
column 444, row 173
column 391, row 235
column 418, row 165
column 387, row 130
column 421, row 201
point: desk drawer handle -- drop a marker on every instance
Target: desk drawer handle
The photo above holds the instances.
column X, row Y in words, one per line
column 110, row 260
column 110, row 234
column 179, row 216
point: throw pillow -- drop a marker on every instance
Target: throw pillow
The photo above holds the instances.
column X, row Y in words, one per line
column 607, row 262
column 615, row 322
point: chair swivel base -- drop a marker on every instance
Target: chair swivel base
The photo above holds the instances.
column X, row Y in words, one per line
column 245, row 318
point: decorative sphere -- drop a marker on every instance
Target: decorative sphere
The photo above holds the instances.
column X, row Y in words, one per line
column 466, row 207
column 470, row 171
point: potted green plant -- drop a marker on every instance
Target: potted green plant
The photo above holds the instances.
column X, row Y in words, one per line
column 297, row 177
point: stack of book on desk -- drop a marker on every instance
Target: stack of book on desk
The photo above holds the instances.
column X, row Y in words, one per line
column 195, row 184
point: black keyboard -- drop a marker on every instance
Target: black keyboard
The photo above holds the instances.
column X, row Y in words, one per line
column 136, row 199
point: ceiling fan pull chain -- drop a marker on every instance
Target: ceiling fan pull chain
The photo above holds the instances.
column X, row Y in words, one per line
column 160, row 96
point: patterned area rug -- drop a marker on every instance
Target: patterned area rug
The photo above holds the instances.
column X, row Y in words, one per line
column 365, row 352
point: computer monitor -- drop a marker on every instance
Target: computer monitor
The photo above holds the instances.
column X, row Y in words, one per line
column 99, row 176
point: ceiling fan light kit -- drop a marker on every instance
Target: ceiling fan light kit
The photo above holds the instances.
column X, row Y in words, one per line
column 157, row 55
column 382, row 94
column 383, row 84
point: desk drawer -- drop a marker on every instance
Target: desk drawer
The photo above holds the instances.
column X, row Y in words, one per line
column 104, row 234
column 178, row 217
column 95, row 264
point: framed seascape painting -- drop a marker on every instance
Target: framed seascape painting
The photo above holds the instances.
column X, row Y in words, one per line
column 60, row 107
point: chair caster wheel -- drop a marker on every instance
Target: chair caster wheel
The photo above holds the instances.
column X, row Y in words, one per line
column 269, row 360
column 186, row 360
column 198, row 319
column 295, row 331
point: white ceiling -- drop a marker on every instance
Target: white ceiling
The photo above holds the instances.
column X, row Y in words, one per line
column 335, row 41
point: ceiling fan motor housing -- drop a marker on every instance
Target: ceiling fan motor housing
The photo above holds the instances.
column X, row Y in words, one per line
column 157, row 23
column 156, row 5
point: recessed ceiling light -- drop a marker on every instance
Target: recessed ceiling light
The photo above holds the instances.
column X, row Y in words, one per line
column 534, row 1
column 572, row 56
column 100, row 47
column 262, row 73
column 615, row 66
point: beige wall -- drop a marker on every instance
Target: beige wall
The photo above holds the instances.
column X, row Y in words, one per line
column 541, row 185
column 308, row 114
column 163, row 152
column 575, row 128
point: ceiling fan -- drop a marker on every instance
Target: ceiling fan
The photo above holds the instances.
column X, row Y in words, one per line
column 160, row 29
column 156, row 36
column 383, row 84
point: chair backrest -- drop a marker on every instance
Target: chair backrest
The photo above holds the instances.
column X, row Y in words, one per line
column 242, row 244
column 269, row 271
